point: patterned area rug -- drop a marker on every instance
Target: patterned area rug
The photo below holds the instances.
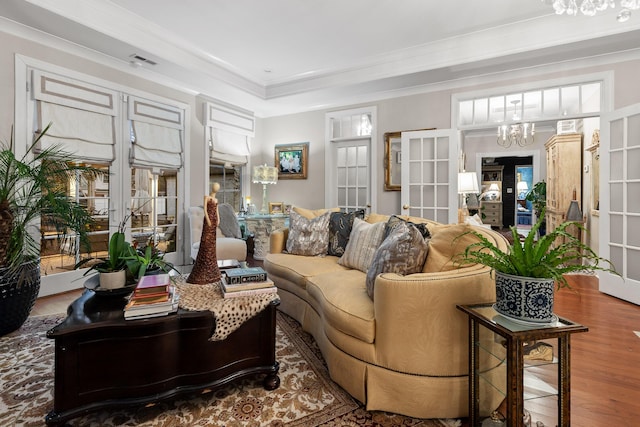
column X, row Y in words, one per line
column 306, row 396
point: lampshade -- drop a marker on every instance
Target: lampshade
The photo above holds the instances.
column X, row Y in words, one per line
column 522, row 186
column 264, row 174
column 574, row 213
column 468, row 183
column 493, row 187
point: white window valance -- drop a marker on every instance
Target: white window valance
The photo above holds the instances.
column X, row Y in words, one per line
column 229, row 132
column 157, row 134
column 82, row 116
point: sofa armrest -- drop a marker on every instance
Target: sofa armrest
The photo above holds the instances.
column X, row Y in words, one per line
column 417, row 313
column 278, row 240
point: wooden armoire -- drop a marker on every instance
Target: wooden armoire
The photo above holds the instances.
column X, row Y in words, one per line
column 564, row 176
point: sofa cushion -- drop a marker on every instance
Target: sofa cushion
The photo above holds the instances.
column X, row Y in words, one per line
column 446, row 246
column 403, row 252
column 308, row 237
column 297, row 268
column 345, row 304
column 340, row 225
column 365, row 239
column 311, row 213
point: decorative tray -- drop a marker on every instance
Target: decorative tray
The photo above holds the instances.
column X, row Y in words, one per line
column 93, row 284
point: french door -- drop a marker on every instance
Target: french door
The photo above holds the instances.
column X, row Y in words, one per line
column 351, row 174
column 619, row 202
column 429, row 176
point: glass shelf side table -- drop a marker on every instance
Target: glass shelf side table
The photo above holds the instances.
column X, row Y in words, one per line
column 537, row 372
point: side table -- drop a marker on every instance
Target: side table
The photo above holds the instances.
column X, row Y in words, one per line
column 530, row 383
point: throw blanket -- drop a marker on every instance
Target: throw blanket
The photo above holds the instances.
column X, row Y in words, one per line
column 230, row 313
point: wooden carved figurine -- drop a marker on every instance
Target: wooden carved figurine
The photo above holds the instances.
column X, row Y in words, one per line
column 205, row 269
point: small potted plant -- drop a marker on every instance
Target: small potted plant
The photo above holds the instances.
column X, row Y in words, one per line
column 527, row 272
column 113, row 267
column 147, row 260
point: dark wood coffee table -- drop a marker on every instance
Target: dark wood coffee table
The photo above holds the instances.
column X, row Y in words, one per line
column 103, row 361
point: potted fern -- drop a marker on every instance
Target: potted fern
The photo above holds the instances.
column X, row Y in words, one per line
column 30, row 195
column 527, row 272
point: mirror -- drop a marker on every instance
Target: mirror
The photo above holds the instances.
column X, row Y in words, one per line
column 392, row 161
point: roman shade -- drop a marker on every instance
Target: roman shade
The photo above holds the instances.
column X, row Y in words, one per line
column 229, row 133
column 156, row 134
column 82, row 116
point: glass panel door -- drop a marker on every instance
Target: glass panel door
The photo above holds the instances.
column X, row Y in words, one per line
column 429, row 175
column 352, row 174
column 619, row 202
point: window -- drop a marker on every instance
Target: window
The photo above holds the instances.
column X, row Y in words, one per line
column 230, row 179
column 143, row 184
column 552, row 103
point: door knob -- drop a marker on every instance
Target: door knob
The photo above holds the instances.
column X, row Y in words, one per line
column 405, row 206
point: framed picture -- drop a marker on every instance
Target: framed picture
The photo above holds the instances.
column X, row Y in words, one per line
column 292, row 160
column 287, row 209
column 276, row 208
column 393, row 160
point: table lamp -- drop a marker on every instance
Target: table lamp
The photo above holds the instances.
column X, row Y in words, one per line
column 264, row 175
column 467, row 184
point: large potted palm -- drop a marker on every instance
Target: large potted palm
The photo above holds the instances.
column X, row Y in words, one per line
column 527, row 272
column 30, row 194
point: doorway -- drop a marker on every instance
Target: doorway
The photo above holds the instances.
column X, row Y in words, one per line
column 510, row 196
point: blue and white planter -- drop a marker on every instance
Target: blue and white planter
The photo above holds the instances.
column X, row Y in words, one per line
column 524, row 298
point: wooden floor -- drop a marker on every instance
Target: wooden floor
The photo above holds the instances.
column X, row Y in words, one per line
column 605, row 374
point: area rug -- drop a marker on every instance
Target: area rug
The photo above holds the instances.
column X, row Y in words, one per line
column 306, row 396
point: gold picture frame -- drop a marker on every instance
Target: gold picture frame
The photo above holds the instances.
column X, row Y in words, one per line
column 393, row 159
column 292, row 160
column 276, row 208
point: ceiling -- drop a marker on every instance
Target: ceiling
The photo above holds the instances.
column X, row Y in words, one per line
column 282, row 56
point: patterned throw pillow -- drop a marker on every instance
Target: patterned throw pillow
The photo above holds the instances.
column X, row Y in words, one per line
column 340, row 226
column 363, row 242
column 403, row 252
column 395, row 220
column 308, row 237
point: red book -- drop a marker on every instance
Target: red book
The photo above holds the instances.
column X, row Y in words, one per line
column 157, row 284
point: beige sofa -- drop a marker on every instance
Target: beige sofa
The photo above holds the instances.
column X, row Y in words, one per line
column 405, row 351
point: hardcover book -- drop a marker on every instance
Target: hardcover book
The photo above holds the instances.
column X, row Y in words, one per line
column 249, row 274
column 250, row 292
column 235, row 287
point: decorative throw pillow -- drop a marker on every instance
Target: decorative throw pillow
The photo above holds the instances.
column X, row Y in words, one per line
column 447, row 244
column 363, row 242
column 310, row 213
column 403, row 252
column 340, row 225
column 308, row 237
column 396, row 220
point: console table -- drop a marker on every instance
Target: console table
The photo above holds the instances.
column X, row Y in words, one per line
column 262, row 226
column 502, row 340
column 104, row 361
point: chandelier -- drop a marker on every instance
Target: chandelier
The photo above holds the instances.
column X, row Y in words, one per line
column 591, row 7
column 521, row 134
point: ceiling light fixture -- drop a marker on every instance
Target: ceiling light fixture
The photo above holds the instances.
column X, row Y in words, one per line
column 592, row 7
column 521, row 134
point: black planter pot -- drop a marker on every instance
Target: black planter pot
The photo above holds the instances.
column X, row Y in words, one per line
column 19, row 289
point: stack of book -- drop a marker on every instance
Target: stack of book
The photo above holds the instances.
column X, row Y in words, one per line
column 242, row 282
column 153, row 296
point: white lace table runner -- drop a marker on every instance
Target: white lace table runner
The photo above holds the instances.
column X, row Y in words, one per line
column 230, row 313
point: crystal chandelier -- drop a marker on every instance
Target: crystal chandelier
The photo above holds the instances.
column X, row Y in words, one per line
column 521, row 134
column 591, row 7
